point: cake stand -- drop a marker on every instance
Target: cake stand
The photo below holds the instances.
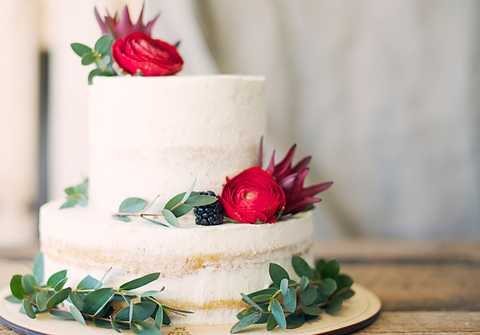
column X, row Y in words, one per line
column 357, row 312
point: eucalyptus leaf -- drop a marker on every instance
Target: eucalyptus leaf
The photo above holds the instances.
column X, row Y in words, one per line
column 102, row 44
column 80, row 49
column 29, row 284
column 245, row 322
column 189, row 191
column 76, row 299
column 150, row 293
column 88, row 283
column 328, row 286
column 284, row 286
column 141, row 311
column 82, row 200
column 121, row 218
column 82, row 188
column 277, row 312
column 93, row 73
column 319, row 264
column 104, row 62
column 13, row 299
column 303, row 283
column 94, row 301
column 77, row 315
column 334, row 305
column 170, row 218
column 270, row 291
column 100, row 282
column 130, row 312
column 272, row 323
column 251, row 302
column 181, row 210
column 114, row 325
column 309, row 295
column 343, row 281
column 60, row 285
column 38, row 268
column 55, row 278
column 17, row 288
column 58, row 297
column 290, row 300
column 295, row 320
column 146, row 208
column 41, row 299
column 68, row 204
column 139, row 282
column 166, row 319
column 165, row 307
column 131, row 205
column 330, row 269
column 62, row 314
column 277, row 273
column 200, row 200
column 262, row 298
column 156, row 222
column 175, row 200
column 346, row 293
column 70, row 190
column 159, row 317
column 102, row 323
column 311, row 309
column 99, row 72
column 301, row 267
column 89, row 58
column 27, row 307
column 144, row 328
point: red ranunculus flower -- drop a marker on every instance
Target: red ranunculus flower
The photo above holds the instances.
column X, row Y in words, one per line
column 252, row 196
column 138, row 51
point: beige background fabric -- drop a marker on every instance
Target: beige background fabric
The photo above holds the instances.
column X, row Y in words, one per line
column 383, row 95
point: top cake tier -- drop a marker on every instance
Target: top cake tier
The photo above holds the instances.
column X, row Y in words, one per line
column 152, row 136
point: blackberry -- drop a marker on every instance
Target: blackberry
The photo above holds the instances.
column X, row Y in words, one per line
column 209, row 215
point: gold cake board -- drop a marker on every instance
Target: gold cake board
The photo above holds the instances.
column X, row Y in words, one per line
column 357, row 312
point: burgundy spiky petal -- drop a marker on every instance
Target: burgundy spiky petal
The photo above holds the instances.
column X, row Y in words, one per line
column 119, row 28
column 291, row 181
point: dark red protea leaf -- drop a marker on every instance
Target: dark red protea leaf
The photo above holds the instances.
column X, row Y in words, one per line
column 123, row 26
column 291, row 180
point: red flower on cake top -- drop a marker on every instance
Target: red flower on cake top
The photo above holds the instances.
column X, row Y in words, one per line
column 123, row 26
column 252, row 196
column 139, row 52
column 127, row 48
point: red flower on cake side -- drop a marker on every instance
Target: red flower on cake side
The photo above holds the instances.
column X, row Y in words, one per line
column 291, row 180
column 139, row 52
column 252, row 196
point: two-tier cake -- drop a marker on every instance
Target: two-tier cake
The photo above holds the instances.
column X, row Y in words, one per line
column 152, row 136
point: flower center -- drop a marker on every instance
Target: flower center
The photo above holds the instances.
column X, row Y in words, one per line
column 250, row 195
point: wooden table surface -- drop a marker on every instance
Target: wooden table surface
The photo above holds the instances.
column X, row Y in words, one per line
column 426, row 287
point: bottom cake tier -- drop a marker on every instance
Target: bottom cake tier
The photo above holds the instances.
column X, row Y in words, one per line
column 203, row 269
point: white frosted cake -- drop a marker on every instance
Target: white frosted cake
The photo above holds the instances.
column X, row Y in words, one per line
column 153, row 136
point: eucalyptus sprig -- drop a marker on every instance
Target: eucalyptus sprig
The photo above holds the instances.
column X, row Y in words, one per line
column 76, row 195
column 91, row 302
column 101, row 55
column 176, row 207
column 289, row 304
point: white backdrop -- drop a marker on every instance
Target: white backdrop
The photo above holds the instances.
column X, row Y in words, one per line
column 381, row 93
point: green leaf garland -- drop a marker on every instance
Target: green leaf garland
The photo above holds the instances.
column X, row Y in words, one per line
column 289, row 304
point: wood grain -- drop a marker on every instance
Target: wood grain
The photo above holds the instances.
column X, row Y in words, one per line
column 425, row 323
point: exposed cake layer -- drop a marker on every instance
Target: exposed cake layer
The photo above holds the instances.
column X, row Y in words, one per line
column 203, row 269
column 155, row 135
